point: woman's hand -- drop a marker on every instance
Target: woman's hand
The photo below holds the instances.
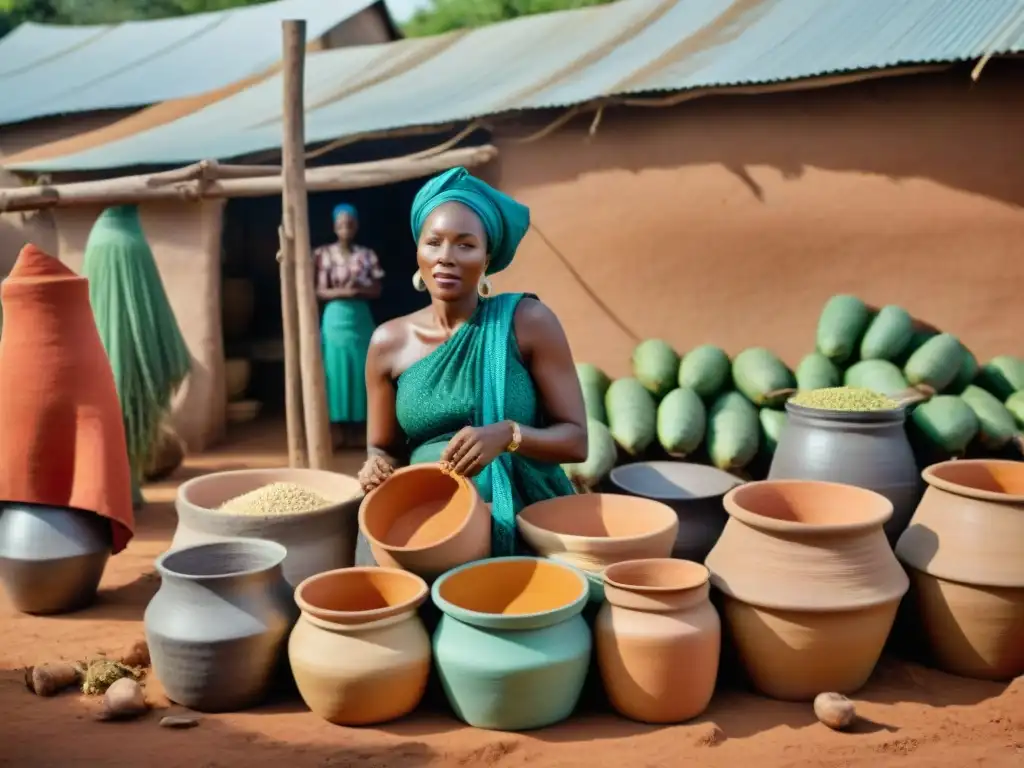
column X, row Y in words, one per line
column 473, row 448
column 375, row 471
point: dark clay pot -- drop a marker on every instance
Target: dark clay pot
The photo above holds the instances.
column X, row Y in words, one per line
column 868, row 449
column 695, row 493
column 217, row 627
column 52, row 558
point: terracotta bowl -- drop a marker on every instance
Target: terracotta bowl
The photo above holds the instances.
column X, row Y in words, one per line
column 317, row 541
column 963, row 551
column 360, row 595
column 593, row 531
column 426, row 521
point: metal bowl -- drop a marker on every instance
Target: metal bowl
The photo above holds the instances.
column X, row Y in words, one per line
column 52, row 558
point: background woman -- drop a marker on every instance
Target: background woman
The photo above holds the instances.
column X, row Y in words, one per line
column 485, row 383
column 347, row 276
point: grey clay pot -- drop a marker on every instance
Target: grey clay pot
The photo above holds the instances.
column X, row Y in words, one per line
column 694, row 491
column 52, row 558
column 218, row 625
column 868, row 449
column 319, row 541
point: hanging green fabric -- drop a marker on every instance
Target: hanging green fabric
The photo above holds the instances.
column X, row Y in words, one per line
column 138, row 328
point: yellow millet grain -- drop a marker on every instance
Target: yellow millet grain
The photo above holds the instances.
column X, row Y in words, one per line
column 844, row 399
column 275, row 499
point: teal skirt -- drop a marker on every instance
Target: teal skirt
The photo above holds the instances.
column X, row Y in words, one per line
column 345, row 335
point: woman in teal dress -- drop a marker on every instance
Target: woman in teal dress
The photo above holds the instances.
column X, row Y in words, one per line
column 484, row 382
column 348, row 275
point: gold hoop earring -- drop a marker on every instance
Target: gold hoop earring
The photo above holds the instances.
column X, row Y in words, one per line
column 484, row 288
column 417, row 281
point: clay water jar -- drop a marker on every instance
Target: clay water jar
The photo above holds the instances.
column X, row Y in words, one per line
column 317, row 541
column 359, row 652
column 658, row 640
column 810, row 584
column 217, row 626
column 964, row 549
column 52, row 558
column 594, row 530
column 512, row 649
column 694, row 491
column 426, row 521
column 867, row 449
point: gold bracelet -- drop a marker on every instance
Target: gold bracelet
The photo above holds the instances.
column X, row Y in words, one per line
column 517, row 438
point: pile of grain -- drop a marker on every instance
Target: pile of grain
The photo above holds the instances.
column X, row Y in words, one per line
column 845, row 399
column 276, row 499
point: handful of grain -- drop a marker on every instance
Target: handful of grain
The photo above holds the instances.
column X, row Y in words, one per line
column 845, row 399
column 275, row 499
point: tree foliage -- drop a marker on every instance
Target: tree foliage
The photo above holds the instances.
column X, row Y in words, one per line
column 447, row 15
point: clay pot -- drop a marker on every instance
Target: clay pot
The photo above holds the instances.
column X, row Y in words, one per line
column 51, row 558
column 425, row 521
column 216, row 628
column 592, row 531
column 658, row 640
column 168, row 456
column 512, row 650
column 237, row 304
column 236, row 376
column 694, row 492
column 810, row 584
column 243, row 411
column 965, row 552
column 867, row 449
column 317, row 541
column 359, row 653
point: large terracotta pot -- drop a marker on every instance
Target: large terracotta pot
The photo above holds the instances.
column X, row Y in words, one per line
column 658, row 640
column 810, row 584
column 51, row 558
column 359, row 653
column 694, row 491
column 217, row 626
column 965, row 552
column 317, row 541
column 868, row 449
column 425, row 520
column 594, row 530
column 512, row 650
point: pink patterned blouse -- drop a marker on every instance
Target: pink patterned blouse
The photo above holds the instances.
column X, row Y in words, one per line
column 360, row 269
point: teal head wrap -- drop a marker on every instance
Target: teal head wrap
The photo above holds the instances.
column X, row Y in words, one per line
column 505, row 220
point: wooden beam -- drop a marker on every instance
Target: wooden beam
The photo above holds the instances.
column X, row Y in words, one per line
column 293, row 184
column 298, row 457
column 187, row 184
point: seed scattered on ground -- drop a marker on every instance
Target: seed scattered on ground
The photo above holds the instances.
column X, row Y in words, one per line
column 100, row 674
column 276, row 499
column 845, row 399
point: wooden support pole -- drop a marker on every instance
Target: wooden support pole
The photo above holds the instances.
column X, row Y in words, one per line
column 293, row 148
column 297, row 454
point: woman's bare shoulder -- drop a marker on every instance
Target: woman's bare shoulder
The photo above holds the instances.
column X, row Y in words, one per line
column 394, row 334
column 534, row 318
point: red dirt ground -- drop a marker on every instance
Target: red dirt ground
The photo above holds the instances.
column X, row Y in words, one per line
column 913, row 717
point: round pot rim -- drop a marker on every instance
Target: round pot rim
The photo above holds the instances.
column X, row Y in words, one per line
column 672, row 521
column 182, row 500
column 488, row 620
column 33, row 506
column 359, row 617
column 895, row 415
column 623, row 469
column 612, row 582
column 427, row 467
column 929, row 476
column 765, row 523
column 280, row 552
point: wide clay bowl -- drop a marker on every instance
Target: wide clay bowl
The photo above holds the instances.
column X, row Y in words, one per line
column 317, row 541
column 52, row 558
column 593, row 531
column 425, row 520
column 360, row 654
column 963, row 548
column 810, row 584
column 512, row 649
column 694, row 491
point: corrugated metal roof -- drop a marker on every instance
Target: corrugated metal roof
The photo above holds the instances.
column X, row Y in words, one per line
column 51, row 70
column 628, row 47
